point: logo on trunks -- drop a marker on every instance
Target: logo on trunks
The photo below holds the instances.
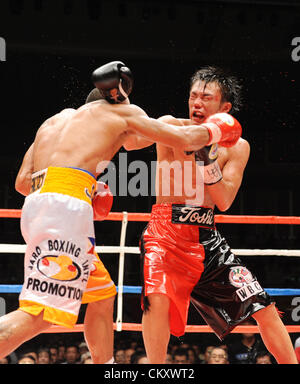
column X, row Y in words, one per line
column 59, row 268
column 240, row 276
column 37, row 181
column 91, row 194
column 200, row 216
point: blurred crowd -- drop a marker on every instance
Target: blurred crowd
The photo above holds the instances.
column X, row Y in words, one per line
column 245, row 348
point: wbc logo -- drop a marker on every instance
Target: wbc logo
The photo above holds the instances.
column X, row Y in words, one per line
column 239, row 276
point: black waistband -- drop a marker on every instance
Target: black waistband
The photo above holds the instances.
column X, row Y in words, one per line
column 193, row 215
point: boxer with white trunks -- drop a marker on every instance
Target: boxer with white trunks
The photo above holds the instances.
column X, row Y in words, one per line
column 62, row 269
column 58, row 175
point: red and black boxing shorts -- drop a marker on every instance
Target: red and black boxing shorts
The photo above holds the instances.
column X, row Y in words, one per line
column 184, row 257
column 172, row 257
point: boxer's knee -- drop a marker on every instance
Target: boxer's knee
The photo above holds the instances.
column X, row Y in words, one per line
column 102, row 307
column 158, row 302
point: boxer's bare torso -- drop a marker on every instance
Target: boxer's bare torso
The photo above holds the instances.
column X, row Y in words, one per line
column 234, row 158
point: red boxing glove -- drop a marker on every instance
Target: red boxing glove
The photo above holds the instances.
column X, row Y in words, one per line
column 102, row 201
column 223, row 129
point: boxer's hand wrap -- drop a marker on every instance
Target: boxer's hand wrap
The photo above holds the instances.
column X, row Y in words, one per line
column 114, row 81
column 102, row 201
column 209, row 156
column 223, row 129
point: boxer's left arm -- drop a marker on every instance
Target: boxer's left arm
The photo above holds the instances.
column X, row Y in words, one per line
column 23, row 180
column 135, row 142
column 224, row 192
column 190, row 137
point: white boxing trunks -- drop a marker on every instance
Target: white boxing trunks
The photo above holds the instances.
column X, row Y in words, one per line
column 62, row 269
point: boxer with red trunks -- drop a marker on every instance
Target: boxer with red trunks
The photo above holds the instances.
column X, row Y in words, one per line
column 58, row 176
column 184, row 257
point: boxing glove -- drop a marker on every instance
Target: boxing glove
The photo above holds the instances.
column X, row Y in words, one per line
column 223, row 129
column 114, row 81
column 102, row 201
column 209, row 155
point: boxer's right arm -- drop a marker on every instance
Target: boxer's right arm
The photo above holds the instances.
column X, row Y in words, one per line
column 23, row 180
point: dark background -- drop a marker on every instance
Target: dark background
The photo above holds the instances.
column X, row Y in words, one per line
column 53, row 46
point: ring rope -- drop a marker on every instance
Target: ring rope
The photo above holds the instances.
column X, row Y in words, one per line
column 21, row 248
column 188, row 328
column 234, row 219
column 14, row 288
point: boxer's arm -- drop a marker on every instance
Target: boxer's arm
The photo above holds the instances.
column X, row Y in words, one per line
column 134, row 142
column 185, row 137
column 23, row 180
column 224, row 192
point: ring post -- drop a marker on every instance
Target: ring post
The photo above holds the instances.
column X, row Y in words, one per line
column 121, row 272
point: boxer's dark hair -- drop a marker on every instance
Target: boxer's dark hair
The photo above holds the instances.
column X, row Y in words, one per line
column 229, row 84
column 94, row 95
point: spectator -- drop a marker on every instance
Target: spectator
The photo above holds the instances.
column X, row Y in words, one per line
column 245, row 350
column 207, row 352
column 43, row 356
column 32, row 354
column 193, row 359
column 197, row 351
column 72, row 354
column 61, row 353
column 218, row 356
column 263, row 357
column 180, row 356
column 53, row 353
column 86, row 358
column 128, row 353
column 139, row 357
column 119, row 356
column 83, row 348
column 27, row 359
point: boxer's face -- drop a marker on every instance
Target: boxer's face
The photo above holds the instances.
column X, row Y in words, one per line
column 205, row 100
